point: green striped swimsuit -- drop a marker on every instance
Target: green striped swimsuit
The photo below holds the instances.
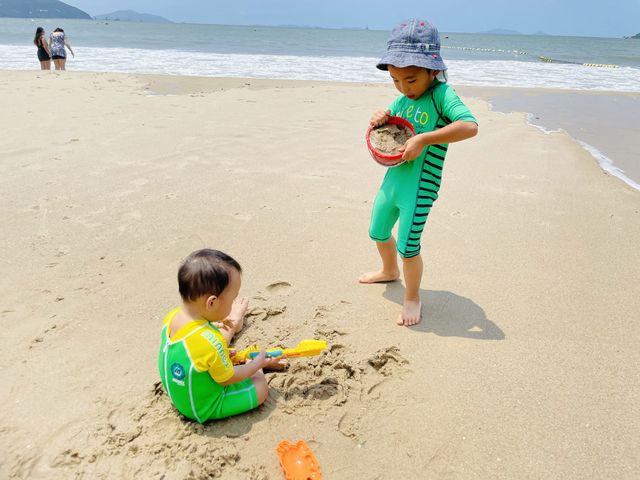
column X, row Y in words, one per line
column 409, row 190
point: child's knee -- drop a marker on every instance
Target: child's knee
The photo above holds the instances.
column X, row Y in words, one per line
column 408, row 257
column 406, row 251
column 260, row 384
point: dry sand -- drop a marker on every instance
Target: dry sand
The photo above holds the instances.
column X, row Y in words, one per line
column 526, row 362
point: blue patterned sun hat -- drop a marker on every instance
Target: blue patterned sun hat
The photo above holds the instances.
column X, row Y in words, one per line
column 413, row 43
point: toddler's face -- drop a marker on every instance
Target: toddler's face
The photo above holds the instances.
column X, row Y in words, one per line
column 230, row 293
column 221, row 307
column 412, row 82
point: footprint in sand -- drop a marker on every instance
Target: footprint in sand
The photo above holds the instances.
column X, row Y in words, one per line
column 279, row 288
column 387, row 361
column 349, row 426
column 41, row 338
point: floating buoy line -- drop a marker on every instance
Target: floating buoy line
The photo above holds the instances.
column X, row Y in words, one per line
column 495, row 50
column 541, row 57
column 600, row 65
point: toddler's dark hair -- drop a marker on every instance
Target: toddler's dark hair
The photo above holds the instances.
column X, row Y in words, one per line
column 205, row 272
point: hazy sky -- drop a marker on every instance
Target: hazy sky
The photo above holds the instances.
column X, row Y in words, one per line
column 612, row 18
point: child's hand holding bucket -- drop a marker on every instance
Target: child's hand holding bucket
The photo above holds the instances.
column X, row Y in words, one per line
column 396, row 157
column 411, row 149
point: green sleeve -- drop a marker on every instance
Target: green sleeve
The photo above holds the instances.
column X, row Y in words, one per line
column 453, row 109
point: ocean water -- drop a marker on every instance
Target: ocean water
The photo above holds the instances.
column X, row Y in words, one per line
column 346, row 55
column 323, row 54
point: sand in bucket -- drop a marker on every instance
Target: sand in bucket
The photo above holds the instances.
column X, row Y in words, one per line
column 389, row 138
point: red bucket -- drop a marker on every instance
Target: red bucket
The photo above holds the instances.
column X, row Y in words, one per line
column 382, row 158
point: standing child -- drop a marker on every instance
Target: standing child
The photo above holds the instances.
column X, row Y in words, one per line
column 194, row 362
column 409, row 190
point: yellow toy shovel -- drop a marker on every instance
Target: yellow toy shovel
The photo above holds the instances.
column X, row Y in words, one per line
column 306, row 348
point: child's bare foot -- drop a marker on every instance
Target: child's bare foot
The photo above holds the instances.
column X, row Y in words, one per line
column 235, row 320
column 379, row 277
column 411, row 313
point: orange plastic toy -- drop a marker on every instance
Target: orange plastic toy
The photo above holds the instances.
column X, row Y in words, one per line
column 297, row 461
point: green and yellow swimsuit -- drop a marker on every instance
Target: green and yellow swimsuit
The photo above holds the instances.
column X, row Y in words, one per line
column 192, row 364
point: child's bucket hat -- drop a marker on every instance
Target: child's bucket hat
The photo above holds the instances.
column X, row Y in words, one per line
column 413, row 43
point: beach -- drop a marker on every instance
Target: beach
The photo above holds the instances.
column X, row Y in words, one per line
column 525, row 362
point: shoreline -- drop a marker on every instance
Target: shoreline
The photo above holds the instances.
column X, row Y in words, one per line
column 603, row 123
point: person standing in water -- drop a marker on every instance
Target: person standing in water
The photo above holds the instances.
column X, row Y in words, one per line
column 57, row 46
column 44, row 55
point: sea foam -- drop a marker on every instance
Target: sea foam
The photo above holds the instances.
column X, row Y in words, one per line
column 343, row 69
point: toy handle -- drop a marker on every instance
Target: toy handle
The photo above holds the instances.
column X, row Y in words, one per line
column 269, row 354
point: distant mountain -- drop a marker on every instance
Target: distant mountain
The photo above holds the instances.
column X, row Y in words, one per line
column 637, row 35
column 503, row 31
column 131, row 16
column 39, row 9
column 541, row 33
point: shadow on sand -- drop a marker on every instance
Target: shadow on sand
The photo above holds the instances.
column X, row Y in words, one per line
column 448, row 315
column 239, row 425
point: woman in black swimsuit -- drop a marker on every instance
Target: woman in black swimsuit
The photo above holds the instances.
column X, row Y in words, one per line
column 43, row 49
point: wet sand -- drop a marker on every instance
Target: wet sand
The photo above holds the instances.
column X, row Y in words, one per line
column 608, row 122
